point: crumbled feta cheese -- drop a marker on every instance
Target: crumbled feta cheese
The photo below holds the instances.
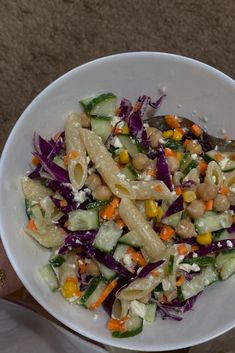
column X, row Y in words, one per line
column 162, row 141
column 79, row 196
column 195, row 254
column 162, row 89
column 216, row 148
column 146, row 177
column 189, row 268
column 70, row 248
column 117, row 143
column 232, row 188
column 121, row 176
column 88, row 159
column 146, row 125
column 91, row 170
column 166, row 284
column 194, row 156
column 95, row 316
column 223, row 162
column 137, row 309
column 229, row 243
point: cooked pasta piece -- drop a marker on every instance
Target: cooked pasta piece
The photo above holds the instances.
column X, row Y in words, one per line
column 230, row 180
column 53, row 237
column 34, row 190
column 77, row 162
column 106, row 166
column 120, row 308
column 151, row 190
column 214, row 174
column 134, row 220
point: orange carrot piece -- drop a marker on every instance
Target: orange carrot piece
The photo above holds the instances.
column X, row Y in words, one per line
column 104, row 295
column 182, row 249
column 82, row 266
column 166, row 232
column 180, row 281
column 152, row 173
column 158, row 188
column 109, row 211
column 35, row 160
column 180, row 130
column 66, row 160
column 202, row 166
column 218, row 157
column 186, row 142
column 196, row 130
column 224, row 190
column 163, row 299
column 178, row 190
column 115, row 202
column 116, row 325
column 169, row 152
column 194, row 247
column 117, row 130
column 63, row 203
column 232, row 158
column 172, row 121
column 32, row 226
column 136, row 256
column 120, row 223
column 78, row 293
column 72, row 155
column 209, row 205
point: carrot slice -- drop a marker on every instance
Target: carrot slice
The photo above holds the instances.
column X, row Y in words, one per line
column 182, row 249
column 35, row 160
column 224, row 190
column 209, row 205
column 178, row 190
column 116, row 325
column 172, row 121
column 72, row 155
column 202, row 166
column 218, row 157
column 180, row 281
column 196, row 130
column 158, row 188
column 104, row 295
column 166, row 232
column 186, row 142
column 63, row 203
column 32, row 226
column 169, row 152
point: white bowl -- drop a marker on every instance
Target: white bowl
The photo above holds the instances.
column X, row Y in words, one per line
column 193, row 89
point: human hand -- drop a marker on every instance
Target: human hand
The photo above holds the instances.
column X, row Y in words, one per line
column 9, row 281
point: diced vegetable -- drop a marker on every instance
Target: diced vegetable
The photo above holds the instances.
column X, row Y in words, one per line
column 49, row 276
column 102, row 105
column 83, row 220
column 101, row 126
column 131, row 327
column 107, row 236
column 163, row 172
column 225, row 263
column 132, row 145
column 211, row 222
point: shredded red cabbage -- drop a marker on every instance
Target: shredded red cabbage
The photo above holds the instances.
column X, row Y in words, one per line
column 125, row 108
column 149, row 267
column 157, row 104
column 75, row 239
column 231, row 229
column 224, row 244
column 58, row 173
column 163, row 172
column 187, row 184
column 41, row 146
column 166, row 312
column 63, row 190
column 175, row 207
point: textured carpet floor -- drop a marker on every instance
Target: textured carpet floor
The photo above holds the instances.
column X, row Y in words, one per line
column 40, row 40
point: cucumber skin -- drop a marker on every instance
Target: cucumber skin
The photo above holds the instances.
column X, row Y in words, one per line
column 92, row 287
column 126, row 334
column 97, row 204
column 91, row 105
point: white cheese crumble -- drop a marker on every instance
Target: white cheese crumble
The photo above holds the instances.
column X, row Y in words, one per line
column 195, row 255
column 146, row 125
column 121, row 176
column 166, row 284
column 232, row 188
column 91, row 170
column 219, row 245
column 115, row 120
column 79, row 196
column 229, row 243
column 137, row 309
column 189, row 268
column 116, row 142
column 194, row 156
column 223, row 162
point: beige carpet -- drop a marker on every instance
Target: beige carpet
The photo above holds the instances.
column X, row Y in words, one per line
column 42, row 39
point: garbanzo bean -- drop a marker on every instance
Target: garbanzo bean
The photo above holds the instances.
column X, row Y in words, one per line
column 194, row 147
column 221, row 203
column 185, row 229
column 140, row 161
column 154, row 136
column 196, row 209
column 93, row 181
column 92, row 269
column 85, row 120
column 173, row 164
column 206, row 191
column 102, row 192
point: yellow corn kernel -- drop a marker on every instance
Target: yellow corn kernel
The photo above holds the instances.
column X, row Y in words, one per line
column 177, row 136
column 69, row 288
column 151, row 208
column 160, row 213
column 179, row 155
column 204, row 239
column 189, row 196
column 167, row 134
column 125, row 130
column 124, row 157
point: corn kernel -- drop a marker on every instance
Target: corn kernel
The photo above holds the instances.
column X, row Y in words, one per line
column 69, row 289
column 167, row 134
column 177, row 136
column 179, row 155
column 125, row 130
column 160, row 213
column 204, row 239
column 189, row 196
column 124, row 157
column 151, row 208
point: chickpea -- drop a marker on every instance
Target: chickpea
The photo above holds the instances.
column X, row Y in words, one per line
column 206, row 191
column 150, row 130
column 154, row 139
column 196, row 209
column 173, row 164
column 85, row 120
column 185, row 229
column 221, row 203
column 92, row 269
column 93, row 181
column 102, row 192
column 140, row 161
column 194, row 147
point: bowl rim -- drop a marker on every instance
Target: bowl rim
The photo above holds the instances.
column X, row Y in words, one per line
column 24, row 280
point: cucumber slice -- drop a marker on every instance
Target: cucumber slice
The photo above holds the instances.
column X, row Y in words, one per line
column 84, row 102
column 97, row 205
column 28, row 207
column 101, row 126
column 170, row 265
column 120, row 252
column 211, row 222
column 132, row 146
column 187, row 163
column 49, row 276
column 132, row 326
column 220, row 234
column 225, row 263
column 200, row 260
column 172, row 220
column 129, row 172
column 150, row 311
column 210, row 156
column 207, row 276
column 106, row 272
column 107, row 236
column 102, row 105
column 96, row 293
column 57, row 261
column 90, row 290
column 132, row 239
column 226, row 164
column 83, row 220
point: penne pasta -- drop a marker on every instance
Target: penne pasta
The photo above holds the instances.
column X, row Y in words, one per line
column 53, row 237
column 214, row 174
column 106, row 166
column 34, row 190
column 152, row 244
column 151, row 190
column 120, row 308
column 230, row 180
column 77, row 163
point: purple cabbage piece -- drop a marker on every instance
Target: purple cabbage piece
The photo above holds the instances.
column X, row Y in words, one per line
column 107, row 260
column 231, row 229
column 41, row 146
column 63, row 190
column 187, row 184
column 157, row 104
column 166, row 312
column 58, row 173
column 62, row 221
column 184, row 306
column 163, row 172
column 125, row 108
column 175, row 207
column 56, row 148
column 232, row 208
column 148, row 268
column 35, row 174
column 64, row 209
column 190, row 241
column 225, row 244
column 75, row 239
column 156, row 228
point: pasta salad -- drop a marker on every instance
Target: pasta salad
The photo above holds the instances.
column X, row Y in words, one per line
column 138, row 220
